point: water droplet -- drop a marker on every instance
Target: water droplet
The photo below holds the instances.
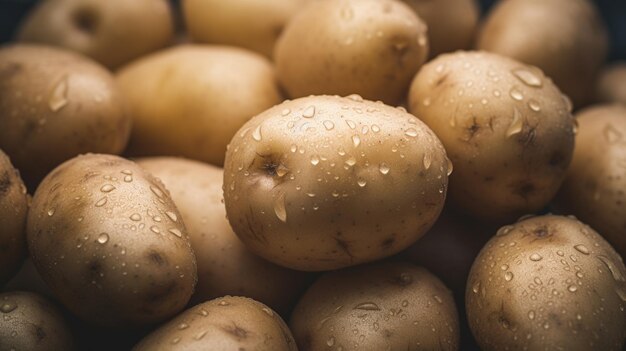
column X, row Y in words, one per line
column 330, row 341
column 175, row 341
column 361, row 182
column 135, row 217
column 427, row 160
column 351, row 161
column 107, row 188
column 329, row 125
column 103, row 238
column 356, row 140
column 375, row 128
column 309, row 112
column 7, row 307
column 516, row 94
column 535, row 257
column 223, row 303
column 155, row 229
column 58, row 98
column 612, row 135
column 172, row 216
column 582, row 249
column 572, row 288
column 256, row 134
column 615, row 272
column 315, row 160
column 101, row 202
column 279, row 207
column 504, row 230
column 173, row 231
column 476, row 287
column 527, row 77
column 450, row 166
column 534, row 105
column 350, row 124
column 384, row 168
column 437, row 298
column 531, row 315
column 285, row 112
column 411, row 132
column 156, row 191
column 517, row 124
column 51, row 212
column 367, row 306
column 508, row 276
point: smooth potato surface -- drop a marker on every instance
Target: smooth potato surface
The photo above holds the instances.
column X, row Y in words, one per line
column 611, row 85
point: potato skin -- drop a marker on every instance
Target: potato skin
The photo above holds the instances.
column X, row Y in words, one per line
column 213, row 89
column 547, row 283
column 225, row 265
column 565, row 38
column 381, row 306
column 108, row 240
column 611, row 85
column 325, row 182
column 595, row 186
column 55, row 105
column 13, row 211
column 223, row 324
column 111, row 32
column 506, row 128
column 367, row 47
column 31, row 322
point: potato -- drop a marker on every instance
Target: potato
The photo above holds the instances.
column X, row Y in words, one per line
column 547, row 283
column 382, row 306
column 595, row 186
column 225, row 266
column 611, row 85
column 227, row 323
column 367, row 47
column 506, row 127
column 190, row 100
column 55, row 105
column 31, row 322
column 325, row 182
column 110, row 243
column 565, row 38
column 252, row 24
column 451, row 23
column 13, row 210
column 111, row 32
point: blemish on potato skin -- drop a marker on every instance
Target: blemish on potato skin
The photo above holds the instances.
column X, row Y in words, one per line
column 441, row 79
column 161, row 292
column 39, row 333
column 5, row 183
column 156, row 258
column 236, row 331
column 9, row 70
column 541, row 231
column 388, row 243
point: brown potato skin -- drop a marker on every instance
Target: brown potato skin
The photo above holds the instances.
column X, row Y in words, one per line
column 31, row 322
column 611, row 85
column 112, row 32
column 381, row 306
column 367, row 47
column 225, row 265
column 547, row 283
column 109, row 241
column 39, row 129
column 565, row 38
column 595, row 185
column 223, row 324
column 13, row 210
column 213, row 89
column 510, row 141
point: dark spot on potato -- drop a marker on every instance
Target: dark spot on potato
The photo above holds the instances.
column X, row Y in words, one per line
column 94, row 268
column 387, row 333
column 388, row 243
column 85, row 19
column 5, row 183
column 524, row 189
column 344, row 246
column 39, row 333
column 402, row 280
column 236, row 331
column 156, row 258
column 541, row 231
column 556, row 159
column 441, row 80
column 161, row 292
column 527, row 136
column 8, row 70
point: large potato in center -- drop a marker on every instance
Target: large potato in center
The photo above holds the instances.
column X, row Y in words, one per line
column 325, row 182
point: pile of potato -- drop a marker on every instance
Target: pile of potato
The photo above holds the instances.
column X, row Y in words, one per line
column 338, row 175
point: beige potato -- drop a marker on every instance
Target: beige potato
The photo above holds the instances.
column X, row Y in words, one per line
column 55, row 105
column 506, row 127
column 325, row 182
column 547, row 283
column 611, row 85
column 109, row 241
column 565, row 38
column 112, row 32
column 31, row 322
column 225, row 266
column 252, row 24
column 451, row 23
column 595, row 187
column 227, row 323
column 190, row 100
column 13, row 210
column 382, row 306
column 367, row 47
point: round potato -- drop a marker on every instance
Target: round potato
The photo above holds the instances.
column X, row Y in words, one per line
column 190, row 100
column 565, row 38
column 108, row 240
column 367, row 47
column 111, row 32
column 611, row 86
column 13, row 210
column 54, row 105
column 225, row 266
column 547, row 283
column 238, row 22
column 324, row 182
column 451, row 23
column 30, row 322
column 227, row 323
column 507, row 128
column 595, row 187
column 382, row 306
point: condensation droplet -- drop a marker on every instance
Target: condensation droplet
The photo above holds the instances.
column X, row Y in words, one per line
column 155, row 229
column 58, row 98
column 504, row 230
column 51, row 212
column 517, row 124
column 534, row 105
column 135, row 217
column 172, row 216
column 612, row 135
column 256, row 134
column 427, row 160
column 582, row 249
column 411, row 132
column 516, row 94
column 449, row 167
column 384, row 168
column 367, row 306
column 309, row 112
column 572, row 288
column 279, row 207
column 156, row 191
column 315, row 160
column 330, row 341
column 527, row 77
column 8, row 307
column 508, row 276
column 361, row 182
column 329, row 125
column 535, row 257
column 356, row 140
column 107, row 188
column 103, row 238
column 101, row 202
column 175, row 232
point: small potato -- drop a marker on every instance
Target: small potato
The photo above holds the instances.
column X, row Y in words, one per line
column 13, row 210
column 367, row 47
column 595, row 187
column 190, row 100
column 565, row 38
column 611, row 85
column 382, row 306
column 110, row 243
column 547, row 283
column 225, row 266
column 252, row 24
column 506, row 127
column 227, row 323
column 111, row 32
column 325, row 182
column 54, row 105
column 31, row 322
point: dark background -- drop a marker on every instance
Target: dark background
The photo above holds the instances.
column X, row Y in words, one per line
column 613, row 11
